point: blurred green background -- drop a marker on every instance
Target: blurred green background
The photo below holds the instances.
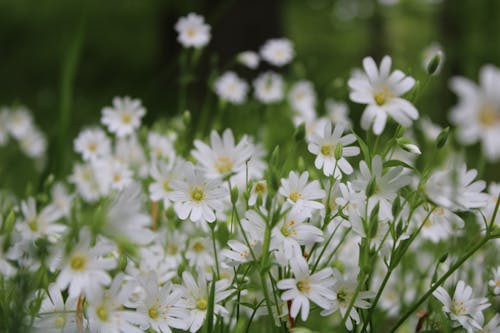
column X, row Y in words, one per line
column 71, row 57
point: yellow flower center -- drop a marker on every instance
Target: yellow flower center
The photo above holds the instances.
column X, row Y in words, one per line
column 341, row 296
column 198, row 247
column 78, row 263
column 60, row 322
column 117, row 177
column 33, row 225
column 497, row 283
column 126, row 118
column 191, row 32
column 172, row 249
column 166, row 185
column 304, row 286
column 328, row 150
column 383, row 96
column 153, row 312
column 197, row 194
column 102, row 313
column 294, row 196
column 224, row 164
column 488, row 115
column 260, row 188
column 287, row 228
column 202, row 304
column 92, row 147
column 457, row 307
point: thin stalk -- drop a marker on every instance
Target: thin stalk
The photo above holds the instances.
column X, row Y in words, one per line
column 440, row 282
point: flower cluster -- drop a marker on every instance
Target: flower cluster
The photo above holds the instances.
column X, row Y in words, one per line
column 163, row 229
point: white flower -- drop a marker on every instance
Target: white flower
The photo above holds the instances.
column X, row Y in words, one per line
column 160, row 306
column 291, row 233
column 249, row 58
column 20, row 122
column 269, row 87
column 493, row 325
column 86, row 183
column 439, row 224
column 196, row 197
column 381, row 91
column 277, row 52
column 223, row 157
column 193, row 31
column 130, row 152
column 163, row 174
column 126, row 217
column 196, row 298
column 35, row 225
column 106, row 311
column 385, row 185
column 305, row 287
column 33, row 143
column 462, row 307
column 92, row 143
column 55, row 315
column 324, row 144
column 161, row 147
column 258, row 190
column 302, row 97
column 124, row 117
column 238, row 254
column 345, row 288
column 495, row 282
column 230, row 87
column 111, row 174
column 338, row 113
column 61, row 199
column 199, row 253
column 477, row 114
column 84, row 270
column 456, row 189
column 300, row 194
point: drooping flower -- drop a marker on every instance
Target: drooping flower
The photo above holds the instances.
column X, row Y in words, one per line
column 381, row 91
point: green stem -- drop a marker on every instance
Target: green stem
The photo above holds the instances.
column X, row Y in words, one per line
column 212, row 228
column 440, row 281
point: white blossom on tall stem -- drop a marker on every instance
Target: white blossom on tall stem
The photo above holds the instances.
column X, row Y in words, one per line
column 34, row 225
column 193, row 31
column 197, row 197
column 55, row 314
column 124, row 117
column 305, row 287
column 381, row 91
column 92, row 143
column 324, row 144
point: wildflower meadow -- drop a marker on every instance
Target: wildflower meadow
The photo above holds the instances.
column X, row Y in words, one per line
column 257, row 203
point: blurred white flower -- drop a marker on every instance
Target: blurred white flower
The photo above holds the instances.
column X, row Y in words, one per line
column 249, row 58
column 92, row 143
column 477, row 114
column 277, row 52
column 124, row 117
column 229, row 87
column 269, row 87
column 193, row 31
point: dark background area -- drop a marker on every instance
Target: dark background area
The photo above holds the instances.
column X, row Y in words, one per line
column 129, row 47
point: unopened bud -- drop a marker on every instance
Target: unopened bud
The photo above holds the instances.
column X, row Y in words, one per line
column 407, row 145
column 434, row 63
column 300, row 132
column 338, row 151
column 442, row 137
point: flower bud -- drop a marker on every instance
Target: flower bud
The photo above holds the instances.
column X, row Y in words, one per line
column 434, row 63
column 407, row 145
column 442, row 137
